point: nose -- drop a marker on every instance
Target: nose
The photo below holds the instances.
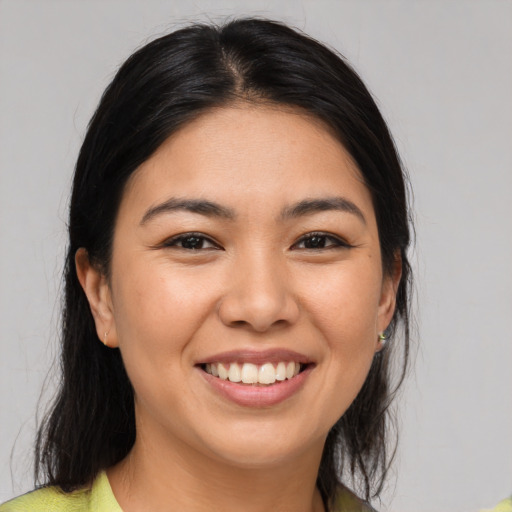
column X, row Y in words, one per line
column 259, row 295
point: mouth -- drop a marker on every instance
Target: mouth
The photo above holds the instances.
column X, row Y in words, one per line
column 266, row 374
column 256, row 379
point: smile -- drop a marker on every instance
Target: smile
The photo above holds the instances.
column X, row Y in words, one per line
column 250, row 373
column 256, row 379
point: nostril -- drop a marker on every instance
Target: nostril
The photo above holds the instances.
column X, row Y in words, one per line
column 239, row 323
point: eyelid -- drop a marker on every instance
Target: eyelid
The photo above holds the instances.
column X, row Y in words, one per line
column 174, row 240
column 340, row 243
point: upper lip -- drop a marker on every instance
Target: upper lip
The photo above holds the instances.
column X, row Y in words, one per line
column 257, row 357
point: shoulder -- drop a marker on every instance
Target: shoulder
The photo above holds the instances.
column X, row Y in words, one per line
column 96, row 498
column 46, row 499
column 502, row 506
column 347, row 501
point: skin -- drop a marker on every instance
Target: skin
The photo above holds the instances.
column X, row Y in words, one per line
column 255, row 283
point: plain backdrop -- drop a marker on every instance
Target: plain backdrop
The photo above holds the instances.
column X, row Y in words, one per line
column 442, row 74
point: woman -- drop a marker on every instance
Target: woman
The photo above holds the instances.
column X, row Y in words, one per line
column 235, row 278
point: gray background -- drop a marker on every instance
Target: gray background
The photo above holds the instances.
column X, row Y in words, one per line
column 442, row 72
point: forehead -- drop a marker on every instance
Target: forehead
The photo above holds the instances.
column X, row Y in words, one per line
column 250, row 154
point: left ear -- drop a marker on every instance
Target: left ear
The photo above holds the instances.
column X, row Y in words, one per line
column 387, row 302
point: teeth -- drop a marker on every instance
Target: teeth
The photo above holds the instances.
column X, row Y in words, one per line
column 280, row 371
column 290, row 370
column 234, row 373
column 249, row 373
column 223, row 373
column 267, row 374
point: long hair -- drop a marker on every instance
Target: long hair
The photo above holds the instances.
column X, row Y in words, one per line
column 165, row 84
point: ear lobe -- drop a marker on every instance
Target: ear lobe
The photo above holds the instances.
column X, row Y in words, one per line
column 388, row 295
column 96, row 288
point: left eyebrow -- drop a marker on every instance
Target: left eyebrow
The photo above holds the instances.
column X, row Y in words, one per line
column 199, row 206
column 312, row 206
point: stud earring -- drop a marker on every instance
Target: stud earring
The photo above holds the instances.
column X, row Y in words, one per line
column 383, row 339
column 105, row 336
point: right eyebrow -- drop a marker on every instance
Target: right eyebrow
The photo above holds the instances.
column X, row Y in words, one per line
column 200, row 206
column 321, row 204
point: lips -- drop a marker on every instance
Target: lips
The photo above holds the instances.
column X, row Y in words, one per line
column 256, row 379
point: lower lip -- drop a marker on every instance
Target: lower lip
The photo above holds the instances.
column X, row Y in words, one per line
column 249, row 395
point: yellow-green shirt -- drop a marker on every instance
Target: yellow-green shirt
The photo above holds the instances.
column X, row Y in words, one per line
column 502, row 506
column 100, row 498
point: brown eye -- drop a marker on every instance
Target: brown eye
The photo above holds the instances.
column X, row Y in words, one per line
column 319, row 241
column 191, row 242
column 315, row 242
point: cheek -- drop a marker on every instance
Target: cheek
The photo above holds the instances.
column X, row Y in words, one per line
column 343, row 307
column 344, row 299
column 157, row 313
column 157, row 310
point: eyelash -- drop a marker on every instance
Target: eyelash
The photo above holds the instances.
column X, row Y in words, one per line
column 334, row 242
column 173, row 242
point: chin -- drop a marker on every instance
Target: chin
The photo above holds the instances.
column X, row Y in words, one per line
column 258, row 456
column 263, row 447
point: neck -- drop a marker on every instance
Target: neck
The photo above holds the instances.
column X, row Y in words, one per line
column 169, row 476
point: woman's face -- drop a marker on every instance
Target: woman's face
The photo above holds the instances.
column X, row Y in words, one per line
column 246, row 246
